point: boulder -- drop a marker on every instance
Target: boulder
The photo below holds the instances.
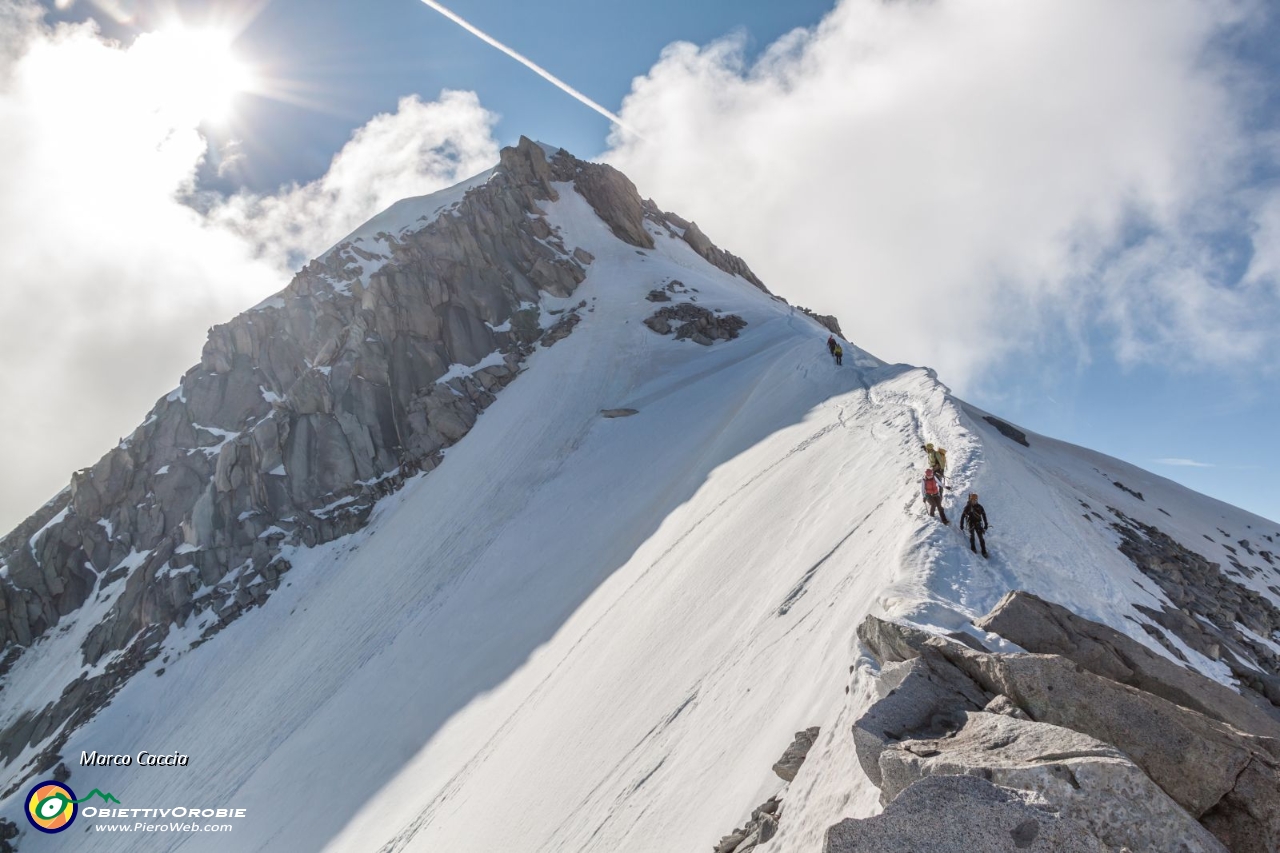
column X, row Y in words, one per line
column 892, row 642
column 1194, row 758
column 963, row 814
column 925, row 698
column 1085, row 779
column 789, row 764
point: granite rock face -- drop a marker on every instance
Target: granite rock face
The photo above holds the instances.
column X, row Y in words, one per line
column 959, row 814
column 1132, row 750
column 1086, row 780
column 1042, row 627
column 302, row 413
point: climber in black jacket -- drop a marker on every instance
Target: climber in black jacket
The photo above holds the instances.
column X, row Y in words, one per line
column 976, row 516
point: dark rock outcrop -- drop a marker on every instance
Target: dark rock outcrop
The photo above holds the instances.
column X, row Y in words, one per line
column 696, row 323
column 1122, row 487
column 1195, row 585
column 8, row 832
column 1009, row 431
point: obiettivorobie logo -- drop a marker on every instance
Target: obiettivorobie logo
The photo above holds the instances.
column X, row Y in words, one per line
column 52, row 806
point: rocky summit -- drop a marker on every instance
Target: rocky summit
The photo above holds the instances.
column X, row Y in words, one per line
column 526, row 517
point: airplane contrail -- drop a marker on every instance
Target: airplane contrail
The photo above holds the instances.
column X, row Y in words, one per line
column 531, row 65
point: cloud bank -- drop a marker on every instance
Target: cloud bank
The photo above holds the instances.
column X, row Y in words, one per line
column 964, row 181
column 114, row 265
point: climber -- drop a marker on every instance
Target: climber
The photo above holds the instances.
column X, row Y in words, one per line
column 938, row 462
column 977, row 518
column 931, row 491
column 831, row 344
column 839, row 354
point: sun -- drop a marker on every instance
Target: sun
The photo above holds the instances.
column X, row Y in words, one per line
column 191, row 75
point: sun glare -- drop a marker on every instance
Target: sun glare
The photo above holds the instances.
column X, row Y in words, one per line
column 190, row 74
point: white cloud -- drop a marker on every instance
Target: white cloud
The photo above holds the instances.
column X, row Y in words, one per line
column 419, row 149
column 1183, row 463
column 108, row 279
column 961, row 181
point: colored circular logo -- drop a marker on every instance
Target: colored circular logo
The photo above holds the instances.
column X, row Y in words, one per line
column 51, row 806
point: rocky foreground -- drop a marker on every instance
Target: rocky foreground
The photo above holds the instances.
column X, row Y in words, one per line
column 1087, row 742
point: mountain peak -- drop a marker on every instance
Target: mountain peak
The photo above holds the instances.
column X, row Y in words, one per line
column 312, row 407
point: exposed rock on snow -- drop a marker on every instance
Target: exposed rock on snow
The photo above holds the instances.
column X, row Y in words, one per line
column 696, row 323
column 692, row 234
column 789, row 764
column 1008, row 430
column 765, row 818
column 1136, row 768
column 561, row 329
column 828, row 321
column 1197, row 586
column 1122, row 487
column 762, row 827
column 618, row 413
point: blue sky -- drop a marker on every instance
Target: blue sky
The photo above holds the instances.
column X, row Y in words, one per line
column 1065, row 213
column 356, row 59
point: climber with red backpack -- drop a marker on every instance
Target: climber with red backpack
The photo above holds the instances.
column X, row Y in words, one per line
column 931, row 491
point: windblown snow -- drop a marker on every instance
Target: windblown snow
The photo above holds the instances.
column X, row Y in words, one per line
column 591, row 634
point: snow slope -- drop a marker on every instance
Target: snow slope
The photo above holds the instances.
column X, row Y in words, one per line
column 586, row 634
